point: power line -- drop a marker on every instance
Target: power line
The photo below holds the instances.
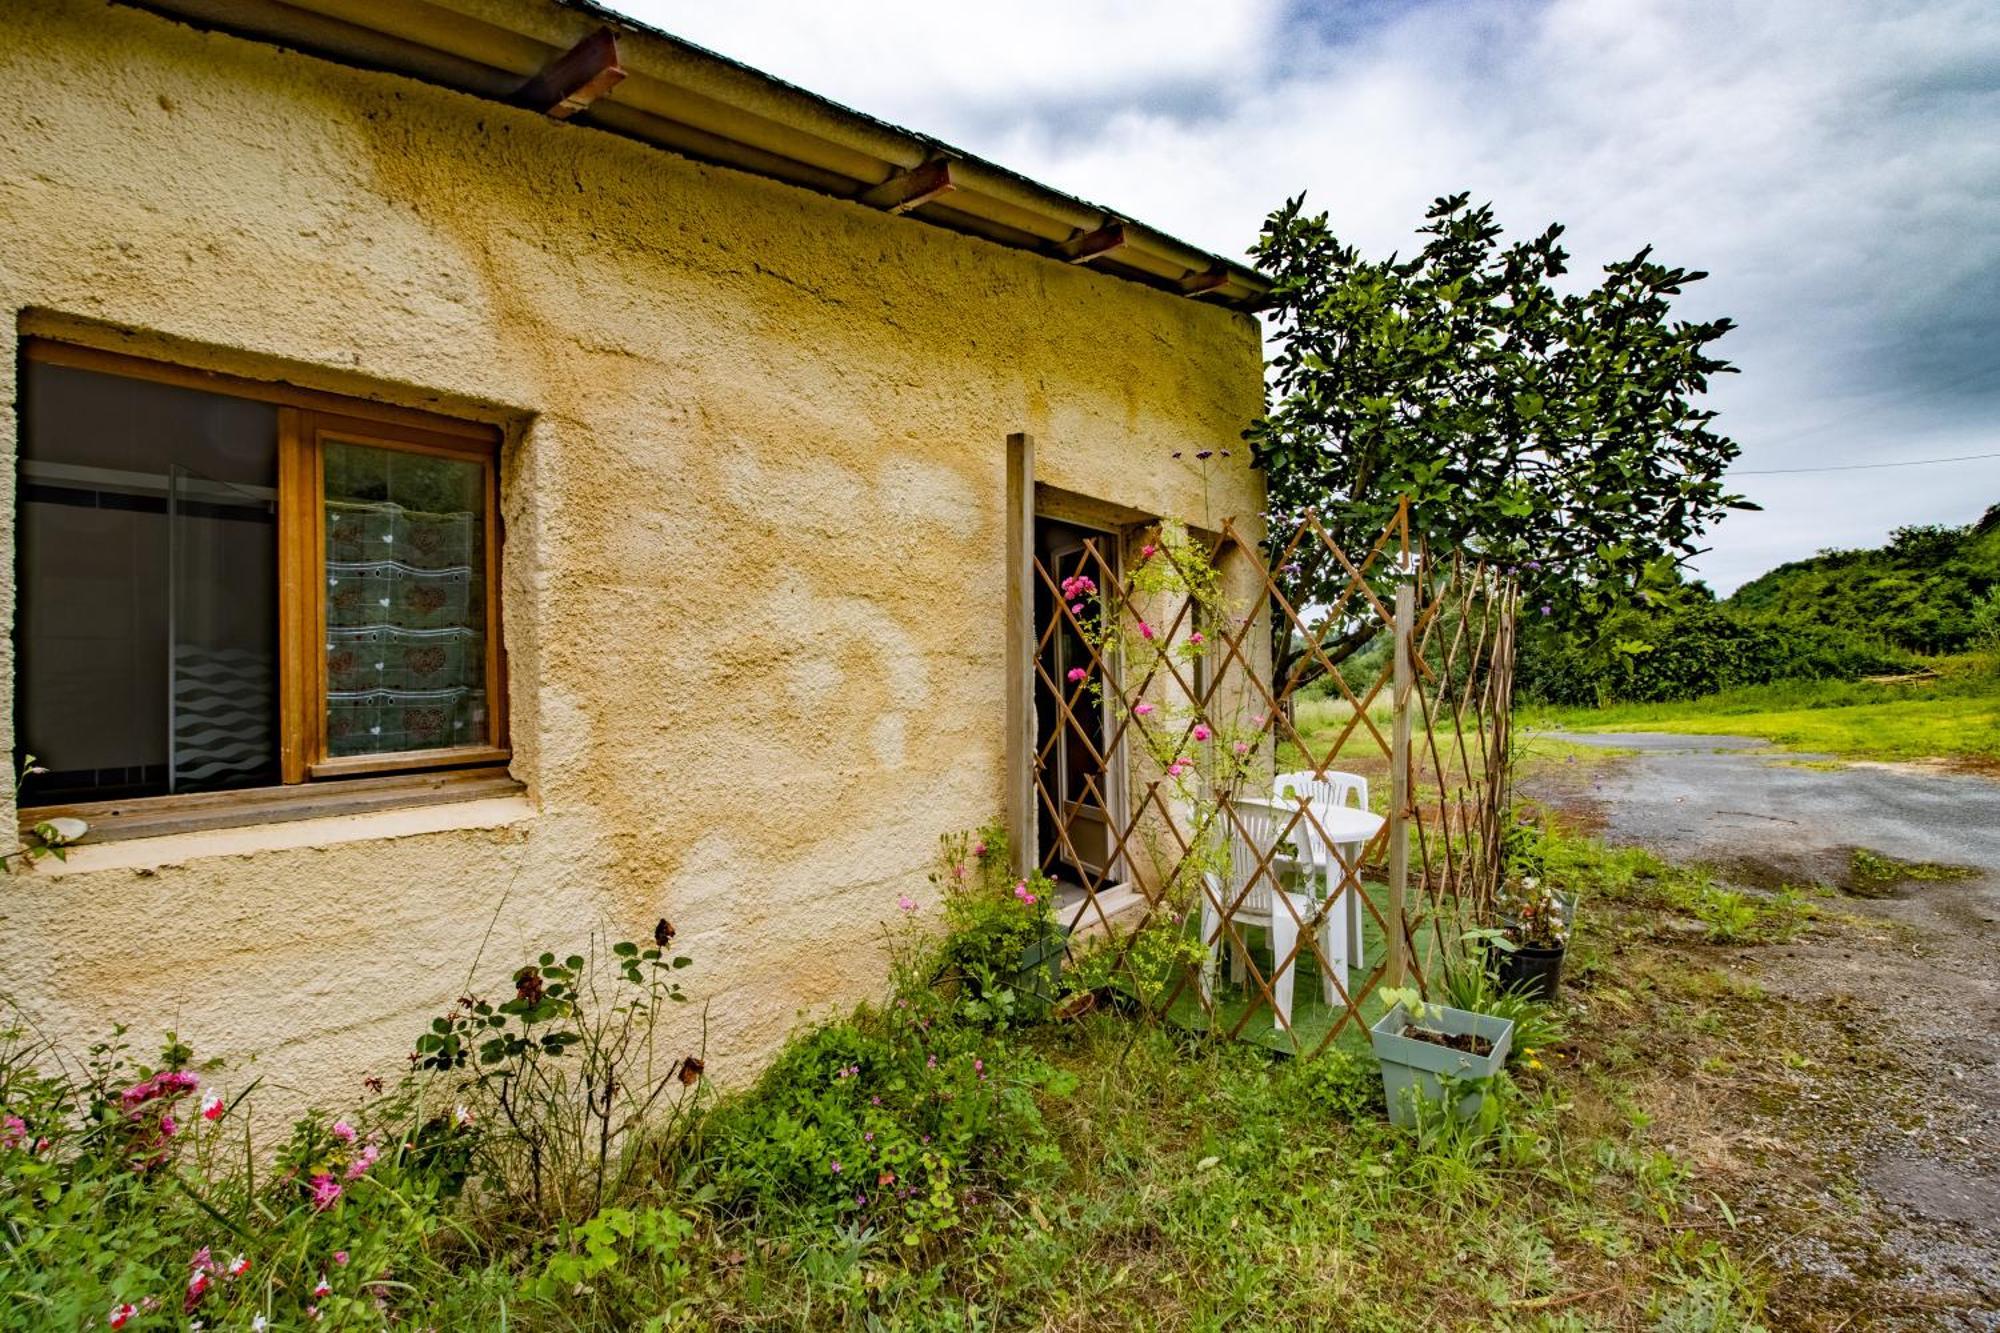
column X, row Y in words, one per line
column 1858, row 467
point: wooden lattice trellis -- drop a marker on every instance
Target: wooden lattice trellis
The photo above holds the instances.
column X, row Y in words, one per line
column 1203, row 686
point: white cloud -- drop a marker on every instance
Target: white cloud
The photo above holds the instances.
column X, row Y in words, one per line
column 1834, row 163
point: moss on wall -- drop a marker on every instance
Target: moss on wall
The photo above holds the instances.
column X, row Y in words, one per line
column 752, row 496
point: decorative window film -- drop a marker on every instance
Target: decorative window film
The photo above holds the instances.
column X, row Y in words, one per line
column 405, row 600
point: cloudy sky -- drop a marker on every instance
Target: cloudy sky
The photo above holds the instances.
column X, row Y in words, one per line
column 1834, row 164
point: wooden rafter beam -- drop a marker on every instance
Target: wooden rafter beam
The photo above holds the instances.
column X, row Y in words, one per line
column 911, row 189
column 1093, row 244
column 1194, row 284
column 576, row 78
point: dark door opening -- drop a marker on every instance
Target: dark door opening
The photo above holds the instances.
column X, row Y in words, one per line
column 1077, row 772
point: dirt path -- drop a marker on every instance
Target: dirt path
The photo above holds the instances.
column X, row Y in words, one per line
column 1905, row 1126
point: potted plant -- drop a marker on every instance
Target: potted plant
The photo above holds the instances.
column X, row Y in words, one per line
column 1421, row 1045
column 1535, row 926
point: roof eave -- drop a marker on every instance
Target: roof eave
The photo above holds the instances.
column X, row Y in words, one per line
column 691, row 101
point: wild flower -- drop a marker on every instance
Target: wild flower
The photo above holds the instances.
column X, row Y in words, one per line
column 321, row 1290
column 121, row 1315
column 13, row 1132
column 197, row 1287
column 211, row 1107
column 836, row 1166
column 340, row 1258
column 366, row 1158
column 238, row 1266
column 325, row 1192
column 1241, row 747
column 343, row 1131
column 907, row 903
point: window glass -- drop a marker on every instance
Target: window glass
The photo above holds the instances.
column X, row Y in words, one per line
column 146, row 633
column 405, row 601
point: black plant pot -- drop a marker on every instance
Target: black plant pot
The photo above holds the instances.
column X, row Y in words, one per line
column 1536, row 973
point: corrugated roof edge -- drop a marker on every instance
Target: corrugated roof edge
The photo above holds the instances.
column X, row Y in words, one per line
column 677, row 95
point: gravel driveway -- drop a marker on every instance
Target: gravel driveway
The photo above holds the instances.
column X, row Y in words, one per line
column 1924, row 962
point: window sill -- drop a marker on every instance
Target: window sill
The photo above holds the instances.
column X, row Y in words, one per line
column 144, row 833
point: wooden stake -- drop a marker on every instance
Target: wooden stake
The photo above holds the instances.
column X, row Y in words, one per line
column 1020, row 737
column 1399, row 781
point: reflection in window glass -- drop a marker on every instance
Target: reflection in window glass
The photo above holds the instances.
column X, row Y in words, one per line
column 405, row 601
column 147, row 627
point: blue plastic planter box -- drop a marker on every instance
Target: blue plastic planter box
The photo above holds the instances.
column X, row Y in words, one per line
column 1415, row 1070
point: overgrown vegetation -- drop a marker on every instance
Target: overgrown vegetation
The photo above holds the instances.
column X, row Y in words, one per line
column 938, row 1161
column 1930, row 591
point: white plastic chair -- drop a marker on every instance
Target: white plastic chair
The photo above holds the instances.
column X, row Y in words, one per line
column 1251, row 894
column 1322, row 791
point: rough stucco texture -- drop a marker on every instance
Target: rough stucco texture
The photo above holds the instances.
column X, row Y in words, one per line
column 753, row 495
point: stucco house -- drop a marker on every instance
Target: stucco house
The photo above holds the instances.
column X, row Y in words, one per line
column 487, row 473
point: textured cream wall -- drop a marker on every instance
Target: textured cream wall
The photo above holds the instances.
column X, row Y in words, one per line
column 753, row 496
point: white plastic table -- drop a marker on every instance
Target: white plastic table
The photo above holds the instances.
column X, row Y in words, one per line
column 1349, row 830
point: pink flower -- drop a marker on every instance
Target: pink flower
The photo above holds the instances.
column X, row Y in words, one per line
column 1241, row 747
column 211, row 1107
column 979, row 849
column 1077, row 673
column 237, row 1267
column 169, row 1127
column 41, row 1144
column 1178, row 767
column 13, row 1132
column 343, row 1131
column 1196, row 638
column 366, row 1158
column 1142, row 708
column 121, row 1314
column 340, row 1258
column 907, row 903
column 1145, row 630
column 1021, row 892
column 1257, row 721
column 836, row 1166
column 325, row 1192
column 321, row 1290
column 1201, row 731
column 312, row 1313
column 978, row 1066
column 1146, row 551
column 198, row 1283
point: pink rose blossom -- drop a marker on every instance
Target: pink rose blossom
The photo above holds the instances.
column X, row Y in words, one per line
column 325, row 1192
column 1077, row 673
column 1142, row 708
column 1021, row 892
column 1145, row 630
column 1146, row 551
column 1201, row 731
column 1196, row 638
column 1242, row 747
column 979, row 849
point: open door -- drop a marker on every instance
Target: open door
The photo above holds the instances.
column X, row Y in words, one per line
column 1078, row 769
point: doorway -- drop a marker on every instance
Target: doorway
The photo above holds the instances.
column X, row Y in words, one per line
column 1079, row 768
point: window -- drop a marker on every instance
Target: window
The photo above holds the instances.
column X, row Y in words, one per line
column 224, row 584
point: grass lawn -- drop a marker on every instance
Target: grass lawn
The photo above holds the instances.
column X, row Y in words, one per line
column 1956, row 716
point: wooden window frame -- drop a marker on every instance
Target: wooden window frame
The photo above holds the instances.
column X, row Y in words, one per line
column 307, row 420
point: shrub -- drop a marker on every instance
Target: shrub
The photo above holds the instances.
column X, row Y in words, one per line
column 899, row 1119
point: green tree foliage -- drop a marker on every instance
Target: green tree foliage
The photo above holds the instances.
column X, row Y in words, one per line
column 1930, row 590
column 1559, row 432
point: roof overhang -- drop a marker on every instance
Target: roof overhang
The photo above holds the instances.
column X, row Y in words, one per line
column 575, row 60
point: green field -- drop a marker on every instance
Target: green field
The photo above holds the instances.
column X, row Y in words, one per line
column 1953, row 716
